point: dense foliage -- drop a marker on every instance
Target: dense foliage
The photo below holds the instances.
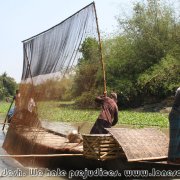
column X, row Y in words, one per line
column 7, row 86
column 86, row 84
column 142, row 61
column 145, row 56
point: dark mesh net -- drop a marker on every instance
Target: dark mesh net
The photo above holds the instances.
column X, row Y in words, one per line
column 57, row 49
column 60, row 65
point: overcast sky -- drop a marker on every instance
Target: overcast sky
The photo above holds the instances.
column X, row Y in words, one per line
column 21, row 19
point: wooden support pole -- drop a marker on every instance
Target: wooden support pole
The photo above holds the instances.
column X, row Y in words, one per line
column 38, row 155
column 100, row 49
column 148, row 159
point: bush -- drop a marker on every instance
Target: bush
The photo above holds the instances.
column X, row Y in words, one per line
column 86, row 100
column 7, row 86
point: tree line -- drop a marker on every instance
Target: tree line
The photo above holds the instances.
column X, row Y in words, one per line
column 142, row 60
column 7, row 86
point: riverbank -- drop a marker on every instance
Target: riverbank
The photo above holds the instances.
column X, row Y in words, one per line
column 55, row 111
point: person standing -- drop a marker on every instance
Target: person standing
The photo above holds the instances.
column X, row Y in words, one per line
column 108, row 116
column 174, row 131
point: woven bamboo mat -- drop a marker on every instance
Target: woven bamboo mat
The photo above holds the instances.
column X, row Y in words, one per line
column 141, row 144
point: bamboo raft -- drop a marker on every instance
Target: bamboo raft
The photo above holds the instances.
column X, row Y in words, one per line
column 53, row 150
column 40, row 151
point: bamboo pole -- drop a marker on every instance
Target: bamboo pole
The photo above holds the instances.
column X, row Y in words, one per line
column 148, row 159
column 7, row 115
column 39, row 155
column 100, row 49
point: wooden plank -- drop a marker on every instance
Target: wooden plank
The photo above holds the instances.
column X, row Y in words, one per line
column 110, row 145
column 109, row 149
column 38, row 155
column 150, row 158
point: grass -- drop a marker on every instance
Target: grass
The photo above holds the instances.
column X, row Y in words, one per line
column 56, row 111
column 64, row 112
column 4, row 106
column 144, row 118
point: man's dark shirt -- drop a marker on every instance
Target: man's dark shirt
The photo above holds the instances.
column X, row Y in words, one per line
column 109, row 110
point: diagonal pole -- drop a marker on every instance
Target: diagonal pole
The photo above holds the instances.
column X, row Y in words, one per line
column 100, row 49
column 7, row 115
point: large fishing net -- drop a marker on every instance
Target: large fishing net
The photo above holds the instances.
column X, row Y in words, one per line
column 59, row 65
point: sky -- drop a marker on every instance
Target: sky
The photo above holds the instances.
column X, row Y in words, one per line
column 21, row 19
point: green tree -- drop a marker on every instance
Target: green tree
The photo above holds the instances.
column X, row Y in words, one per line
column 86, row 84
column 7, row 86
column 147, row 47
column 86, row 72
